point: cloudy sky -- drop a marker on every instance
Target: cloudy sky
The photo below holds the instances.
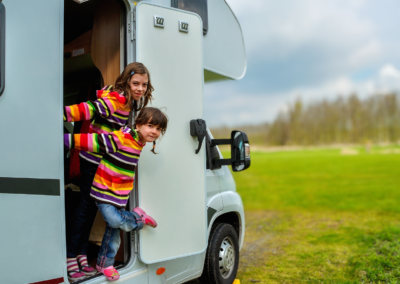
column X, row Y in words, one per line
column 310, row 49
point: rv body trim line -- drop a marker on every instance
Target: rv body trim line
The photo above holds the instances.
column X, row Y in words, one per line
column 30, row 186
column 51, row 281
column 133, row 274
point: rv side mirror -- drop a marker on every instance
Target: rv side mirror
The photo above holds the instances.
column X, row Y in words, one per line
column 240, row 151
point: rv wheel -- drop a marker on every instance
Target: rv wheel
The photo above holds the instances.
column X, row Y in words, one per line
column 222, row 257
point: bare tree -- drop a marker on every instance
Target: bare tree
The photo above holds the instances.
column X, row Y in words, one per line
column 343, row 120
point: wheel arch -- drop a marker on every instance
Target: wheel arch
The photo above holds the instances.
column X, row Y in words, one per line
column 232, row 212
column 233, row 218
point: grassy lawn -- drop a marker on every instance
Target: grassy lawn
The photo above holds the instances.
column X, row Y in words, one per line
column 321, row 217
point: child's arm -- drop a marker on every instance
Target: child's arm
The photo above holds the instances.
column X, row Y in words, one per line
column 104, row 107
column 98, row 143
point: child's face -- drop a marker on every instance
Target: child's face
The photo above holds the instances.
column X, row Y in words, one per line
column 138, row 85
column 148, row 132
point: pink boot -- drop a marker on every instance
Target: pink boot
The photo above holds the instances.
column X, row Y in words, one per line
column 147, row 220
column 109, row 272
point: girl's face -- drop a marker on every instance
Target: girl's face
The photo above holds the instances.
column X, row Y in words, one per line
column 148, row 132
column 138, row 85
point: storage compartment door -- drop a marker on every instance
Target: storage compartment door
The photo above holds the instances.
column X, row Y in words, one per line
column 172, row 183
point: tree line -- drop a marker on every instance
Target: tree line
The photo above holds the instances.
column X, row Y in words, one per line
column 348, row 119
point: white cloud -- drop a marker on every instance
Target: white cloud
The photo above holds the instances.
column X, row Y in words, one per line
column 365, row 54
column 389, row 71
column 388, row 80
column 311, row 49
column 277, row 29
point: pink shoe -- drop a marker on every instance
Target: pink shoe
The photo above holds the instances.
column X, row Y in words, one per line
column 147, row 220
column 88, row 270
column 109, row 272
column 84, row 265
column 75, row 276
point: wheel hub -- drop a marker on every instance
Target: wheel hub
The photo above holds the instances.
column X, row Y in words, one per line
column 226, row 257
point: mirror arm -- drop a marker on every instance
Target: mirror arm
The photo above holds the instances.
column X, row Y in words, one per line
column 208, row 151
column 216, row 142
column 222, row 162
column 214, row 164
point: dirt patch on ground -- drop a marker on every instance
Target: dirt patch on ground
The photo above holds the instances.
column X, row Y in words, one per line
column 303, row 246
column 258, row 245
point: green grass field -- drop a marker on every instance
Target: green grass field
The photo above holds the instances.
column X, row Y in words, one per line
column 321, row 217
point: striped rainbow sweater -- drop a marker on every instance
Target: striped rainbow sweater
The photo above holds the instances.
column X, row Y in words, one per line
column 109, row 114
column 116, row 172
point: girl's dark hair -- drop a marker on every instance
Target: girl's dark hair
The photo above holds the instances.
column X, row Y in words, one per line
column 122, row 85
column 154, row 116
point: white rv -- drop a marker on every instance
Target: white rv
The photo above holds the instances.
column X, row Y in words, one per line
column 53, row 53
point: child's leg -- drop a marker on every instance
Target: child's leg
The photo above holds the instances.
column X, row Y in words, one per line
column 88, row 171
column 78, row 229
column 80, row 224
column 109, row 247
column 116, row 219
column 108, row 250
column 119, row 218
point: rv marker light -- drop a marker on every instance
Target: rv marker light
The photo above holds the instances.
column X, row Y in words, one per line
column 160, row 271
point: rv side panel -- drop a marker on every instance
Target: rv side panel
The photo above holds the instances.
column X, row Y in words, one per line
column 31, row 208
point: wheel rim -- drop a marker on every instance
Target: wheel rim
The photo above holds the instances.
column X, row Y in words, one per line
column 226, row 257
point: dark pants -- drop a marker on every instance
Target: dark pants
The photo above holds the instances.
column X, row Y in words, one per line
column 78, row 230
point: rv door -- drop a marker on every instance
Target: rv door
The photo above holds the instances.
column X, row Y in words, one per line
column 32, row 245
column 172, row 183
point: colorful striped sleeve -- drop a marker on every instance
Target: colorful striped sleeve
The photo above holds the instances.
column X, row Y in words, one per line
column 129, row 138
column 108, row 104
column 79, row 112
column 104, row 106
column 98, row 143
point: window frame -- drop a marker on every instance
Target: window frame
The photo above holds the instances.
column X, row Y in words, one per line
column 174, row 4
column 2, row 46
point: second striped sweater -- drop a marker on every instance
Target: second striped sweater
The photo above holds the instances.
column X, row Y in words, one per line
column 116, row 172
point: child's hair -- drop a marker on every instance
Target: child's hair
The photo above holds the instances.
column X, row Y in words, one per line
column 122, row 85
column 154, row 116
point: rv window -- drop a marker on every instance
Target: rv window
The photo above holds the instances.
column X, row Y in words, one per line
column 196, row 6
column 2, row 45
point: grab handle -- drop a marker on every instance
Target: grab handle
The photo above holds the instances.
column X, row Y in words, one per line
column 198, row 128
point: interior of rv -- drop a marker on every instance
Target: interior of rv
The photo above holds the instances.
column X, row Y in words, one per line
column 94, row 53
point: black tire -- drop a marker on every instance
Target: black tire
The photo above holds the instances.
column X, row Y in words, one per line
column 222, row 257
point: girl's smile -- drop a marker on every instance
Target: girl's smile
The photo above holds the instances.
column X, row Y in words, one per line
column 148, row 132
column 138, row 85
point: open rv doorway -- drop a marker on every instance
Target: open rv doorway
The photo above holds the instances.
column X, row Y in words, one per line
column 94, row 56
